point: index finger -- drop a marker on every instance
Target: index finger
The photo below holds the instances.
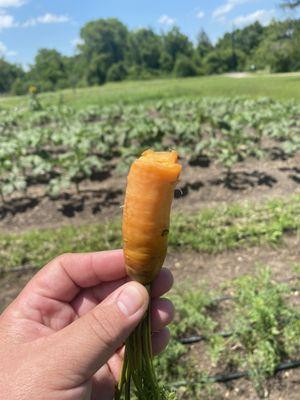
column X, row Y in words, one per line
column 63, row 278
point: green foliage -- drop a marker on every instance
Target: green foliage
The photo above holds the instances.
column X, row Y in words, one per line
column 265, row 332
column 244, row 40
column 49, row 70
column 204, row 45
column 184, row 67
column 192, row 317
column 77, row 145
column 95, row 74
column 9, row 73
column 233, row 226
column 279, row 48
column 104, row 43
column 266, row 327
column 106, row 37
column 117, row 72
column 107, row 48
column 34, row 102
column 176, row 44
column 38, row 246
column 145, row 49
column 291, row 3
column 19, row 87
column 223, row 60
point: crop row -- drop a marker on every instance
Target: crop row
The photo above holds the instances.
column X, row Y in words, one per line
column 60, row 147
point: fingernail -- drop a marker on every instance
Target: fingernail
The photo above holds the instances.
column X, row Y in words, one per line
column 130, row 300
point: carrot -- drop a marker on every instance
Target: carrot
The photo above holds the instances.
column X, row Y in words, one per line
column 149, row 194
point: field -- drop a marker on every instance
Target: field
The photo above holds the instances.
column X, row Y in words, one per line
column 279, row 86
column 234, row 246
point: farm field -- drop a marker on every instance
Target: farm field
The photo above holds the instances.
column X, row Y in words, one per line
column 276, row 86
column 234, row 246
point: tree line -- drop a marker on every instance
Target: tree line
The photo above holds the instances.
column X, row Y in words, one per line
column 109, row 51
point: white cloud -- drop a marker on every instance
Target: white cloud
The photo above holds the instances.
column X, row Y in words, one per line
column 11, row 53
column 11, row 3
column 47, row 19
column 77, row 42
column 6, row 21
column 2, row 49
column 263, row 16
column 200, row 14
column 5, row 52
column 221, row 12
column 166, row 20
column 26, row 67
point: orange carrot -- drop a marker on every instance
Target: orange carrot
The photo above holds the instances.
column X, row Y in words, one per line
column 149, row 193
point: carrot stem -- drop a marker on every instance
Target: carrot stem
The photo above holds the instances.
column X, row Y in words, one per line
column 138, row 365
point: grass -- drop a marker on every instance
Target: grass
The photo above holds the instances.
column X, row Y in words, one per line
column 177, row 363
column 265, row 330
column 210, row 230
column 266, row 327
column 281, row 87
column 236, row 225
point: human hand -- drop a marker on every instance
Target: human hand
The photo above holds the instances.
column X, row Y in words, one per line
column 62, row 338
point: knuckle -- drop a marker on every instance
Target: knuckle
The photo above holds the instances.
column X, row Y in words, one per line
column 103, row 328
column 62, row 258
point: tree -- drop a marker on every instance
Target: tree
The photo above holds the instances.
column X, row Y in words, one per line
column 105, row 42
column 291, row 3
column 110, row 52
column 246, row 39
column 220, row 61
column 184, row 67
column 204, row 45
column 217, row 62
column 117, row 72
column 280, row 49
column 49, row 70
column 166, row 62
column 175, row 43
column 8, row 74
column 75, row 70
column 97, row 69
column 144, row 49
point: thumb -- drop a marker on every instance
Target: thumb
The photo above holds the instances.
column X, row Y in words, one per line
column 87, row 344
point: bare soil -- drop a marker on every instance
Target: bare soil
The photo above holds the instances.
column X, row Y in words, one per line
column 201, row 185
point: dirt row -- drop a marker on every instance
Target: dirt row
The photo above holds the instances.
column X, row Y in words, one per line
column 201, row 185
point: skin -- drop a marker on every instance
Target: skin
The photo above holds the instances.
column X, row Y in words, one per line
column 62, row 338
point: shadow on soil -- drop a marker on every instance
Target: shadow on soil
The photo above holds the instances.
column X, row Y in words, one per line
column 184, row 190
column 16, row 206
column 294, row 175
column 96, row 200
column 245, row 180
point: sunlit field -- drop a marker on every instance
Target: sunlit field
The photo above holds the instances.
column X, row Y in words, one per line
column 280, row 87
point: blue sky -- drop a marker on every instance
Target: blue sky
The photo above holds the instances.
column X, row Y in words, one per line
column 27, row 25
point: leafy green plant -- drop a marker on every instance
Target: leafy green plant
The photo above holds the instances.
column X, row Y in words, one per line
column 265, row 326
column 177, row 363
column 74, row 144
